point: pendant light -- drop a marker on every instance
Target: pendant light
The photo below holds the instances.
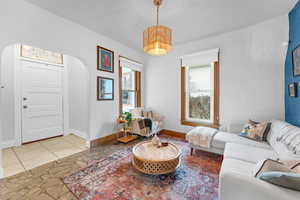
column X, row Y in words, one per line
column 157, row 39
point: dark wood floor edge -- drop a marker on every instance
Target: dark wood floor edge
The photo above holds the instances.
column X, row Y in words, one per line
column 104, row 140
column 171, row 133
column 42, row 139
column 114, row 136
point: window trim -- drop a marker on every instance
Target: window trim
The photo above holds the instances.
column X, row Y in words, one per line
column 138, row 82
column 216, row 83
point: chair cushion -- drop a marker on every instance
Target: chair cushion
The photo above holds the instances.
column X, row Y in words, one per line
column 221, row 138
column 248, row 153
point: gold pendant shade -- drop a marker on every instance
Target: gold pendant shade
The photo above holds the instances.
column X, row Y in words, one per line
column 157, row 39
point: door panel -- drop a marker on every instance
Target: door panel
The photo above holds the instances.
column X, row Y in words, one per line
column 42, row 111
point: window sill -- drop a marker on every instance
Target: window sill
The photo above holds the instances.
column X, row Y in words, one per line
column 189, row 123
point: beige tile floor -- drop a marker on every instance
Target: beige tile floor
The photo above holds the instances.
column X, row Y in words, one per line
column 29, row 156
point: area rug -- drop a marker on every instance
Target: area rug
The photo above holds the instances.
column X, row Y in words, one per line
column 114, row 178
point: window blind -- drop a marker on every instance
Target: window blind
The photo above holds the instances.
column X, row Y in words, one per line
column 201, row 58
column 124, row 62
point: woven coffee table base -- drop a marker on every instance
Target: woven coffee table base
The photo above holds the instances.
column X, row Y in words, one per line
column 155, row 167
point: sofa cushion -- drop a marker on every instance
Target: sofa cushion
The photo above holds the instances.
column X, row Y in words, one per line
column 221, row 138
column 279, row 131
column 248, row 153
column 237, row 166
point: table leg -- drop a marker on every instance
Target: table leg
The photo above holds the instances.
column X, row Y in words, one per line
column 192, row 150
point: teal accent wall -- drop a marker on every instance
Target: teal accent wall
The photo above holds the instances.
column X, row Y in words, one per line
column 292, row 105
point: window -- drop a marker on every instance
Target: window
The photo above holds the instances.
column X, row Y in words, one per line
column 41, row 54
column 128, row 89
column 200, row 93
column 130, row 82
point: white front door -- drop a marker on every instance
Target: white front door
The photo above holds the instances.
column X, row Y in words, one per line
column 42, row 100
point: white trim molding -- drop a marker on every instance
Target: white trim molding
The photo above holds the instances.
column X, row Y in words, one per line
column 76, row 132
column 79, row 134
column 8, row 143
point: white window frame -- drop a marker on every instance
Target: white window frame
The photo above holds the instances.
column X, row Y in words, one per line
column 187, row 95
column 135, row 91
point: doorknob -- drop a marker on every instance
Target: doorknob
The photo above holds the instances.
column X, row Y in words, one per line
column 24, row 98
column 25, row 107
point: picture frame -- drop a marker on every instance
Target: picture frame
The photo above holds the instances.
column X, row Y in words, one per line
column 105, row 89
column 292, row 89
column 296, row 61
column 105, row 59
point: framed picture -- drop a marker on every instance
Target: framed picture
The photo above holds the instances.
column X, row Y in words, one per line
column 105, row 88
column 105, row 59
column 292, row 90
column 296, row 61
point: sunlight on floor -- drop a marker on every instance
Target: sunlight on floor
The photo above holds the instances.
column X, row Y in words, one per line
column 28, row 156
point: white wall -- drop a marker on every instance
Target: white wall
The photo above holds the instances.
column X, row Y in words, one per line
column 77, row 95
column 251, row 75
column 25, row 23
column 7, row 94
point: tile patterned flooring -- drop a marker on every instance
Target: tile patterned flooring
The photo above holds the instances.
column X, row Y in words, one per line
column 45, row 182
column 29, row 156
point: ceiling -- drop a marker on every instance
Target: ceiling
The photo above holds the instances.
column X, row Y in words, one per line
column 125, row 20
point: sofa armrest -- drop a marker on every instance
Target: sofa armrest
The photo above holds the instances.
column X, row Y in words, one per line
column 234, row 186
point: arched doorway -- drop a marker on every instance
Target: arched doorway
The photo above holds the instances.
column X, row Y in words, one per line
column 43, row 95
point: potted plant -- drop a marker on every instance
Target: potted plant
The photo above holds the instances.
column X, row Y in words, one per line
column 128, row 118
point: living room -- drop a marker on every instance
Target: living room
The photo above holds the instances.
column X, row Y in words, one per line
column 210, row 87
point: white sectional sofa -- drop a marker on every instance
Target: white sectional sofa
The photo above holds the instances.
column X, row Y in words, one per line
column 240, row 158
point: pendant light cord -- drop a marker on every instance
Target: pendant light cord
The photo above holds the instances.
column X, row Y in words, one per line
column 157, row 14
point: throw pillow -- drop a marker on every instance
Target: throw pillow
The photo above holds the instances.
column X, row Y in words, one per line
column 136, row 113
column 278, row 173
column 296, row 167
column 147, row 114
column 297, row 150
column 292, row 164
column 269, row 165
column 295, row 143
column 256, row 131
column 288, row 180
column 291, row 139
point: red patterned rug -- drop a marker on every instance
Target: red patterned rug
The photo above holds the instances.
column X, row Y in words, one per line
column 114, row 178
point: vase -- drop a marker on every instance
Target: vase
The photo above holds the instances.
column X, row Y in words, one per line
column 155, row 140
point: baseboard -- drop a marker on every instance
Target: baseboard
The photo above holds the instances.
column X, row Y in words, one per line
column 1, row 172
column 105, row 139
column 7, row 144
column 114, row 136
column 173, row 133
column 76, row 132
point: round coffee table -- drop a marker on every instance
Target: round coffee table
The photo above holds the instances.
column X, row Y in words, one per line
column 150, row 159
